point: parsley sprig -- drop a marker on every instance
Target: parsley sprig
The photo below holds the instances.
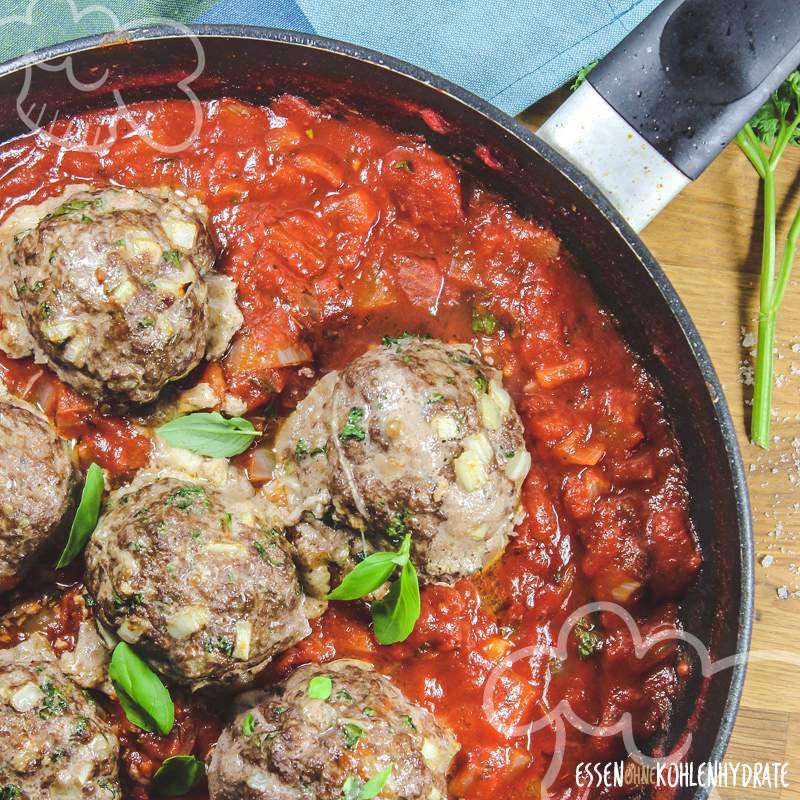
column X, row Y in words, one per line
column 763, row 140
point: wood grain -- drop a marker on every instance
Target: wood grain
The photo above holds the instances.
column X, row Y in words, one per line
column 708, row 242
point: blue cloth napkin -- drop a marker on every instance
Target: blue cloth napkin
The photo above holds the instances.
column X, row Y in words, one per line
column 510, row 52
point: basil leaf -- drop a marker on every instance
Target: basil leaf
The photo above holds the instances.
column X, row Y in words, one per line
column 86, row 516
column 134, row 714
column 144, row 699
column 209, row 434
column 394, row 617
column 248, row 724
column 320, row 687
column 352, row 735
column 366, row 577
column 178, row 775
column 372, row 788
column 371, row 573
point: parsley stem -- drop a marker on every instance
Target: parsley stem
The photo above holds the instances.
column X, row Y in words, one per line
column 749, row 145
column 762, row 391
column 767, row 318
column 787, row 260
column 784, row 137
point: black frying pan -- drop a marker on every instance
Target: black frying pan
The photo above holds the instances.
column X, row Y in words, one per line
column 256, row 64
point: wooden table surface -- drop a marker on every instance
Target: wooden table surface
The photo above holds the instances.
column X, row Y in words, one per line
column 708, row 242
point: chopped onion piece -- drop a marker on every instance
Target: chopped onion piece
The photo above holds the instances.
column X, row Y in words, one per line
column 260, row 465
column 123, row 292
column 479, row 534
column 445, row 428
column 180, row 233
column 470, row 471
column 27, row 697
column 500, row 396
column 480, row 445
column 187, row 620
column 625, row 590
column 58, row 331
column 490, row 413
column 227, row 549
column 142, row 244
column 289, row 356
column 244, row 633
column 518, row 465
column 128, row 633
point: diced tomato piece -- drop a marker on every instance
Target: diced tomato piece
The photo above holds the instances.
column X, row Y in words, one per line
column 550, row 377
column 674, row 552
column 355, row 211
column 215, row 378
column 257, row 351
column 636, row 468
column 551, row 426
column 615, row 558
column 295, row 108
column 115, row 445
column 495, row 648
column 72, row 413
column 320, row 163
column 424, row 185
column 301, row 239
column 492, row 771
column 284, row 138
column 373, row 290
column 515, row 700
column 618, row 646
column 420, row 280
column 619, row 425
column 541, row 524
column 581, row 489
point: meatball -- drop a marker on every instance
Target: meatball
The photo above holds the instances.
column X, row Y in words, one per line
column 415, row 436
column 206, row 596
column 56, row 742
column 327, row 731
column 112, row 288
column 37, row 482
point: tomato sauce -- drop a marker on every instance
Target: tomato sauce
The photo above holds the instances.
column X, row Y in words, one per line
column 339, row 231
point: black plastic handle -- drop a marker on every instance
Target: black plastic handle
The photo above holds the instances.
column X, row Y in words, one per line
column 694, row 72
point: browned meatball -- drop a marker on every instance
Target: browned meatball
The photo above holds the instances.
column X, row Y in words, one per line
column 326, row 732
column 37, row 483
column 112, row 288
column 414, row 436
column 55, row 742
column 206, row 596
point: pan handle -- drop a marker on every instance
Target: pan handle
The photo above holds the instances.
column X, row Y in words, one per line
column 664, row 103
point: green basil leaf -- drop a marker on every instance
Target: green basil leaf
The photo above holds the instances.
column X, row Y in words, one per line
column 372, row 788
column 366, row 577
column 248, row 724
column 394, row 617
column 371, row 573
column 209, row 434
column 178, row 775
column 352, row 735
column 320, row 687
column 134, row 714
column 143, row 697
column 86, row 516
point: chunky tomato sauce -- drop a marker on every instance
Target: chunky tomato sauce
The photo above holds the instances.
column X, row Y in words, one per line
column 339, row 231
